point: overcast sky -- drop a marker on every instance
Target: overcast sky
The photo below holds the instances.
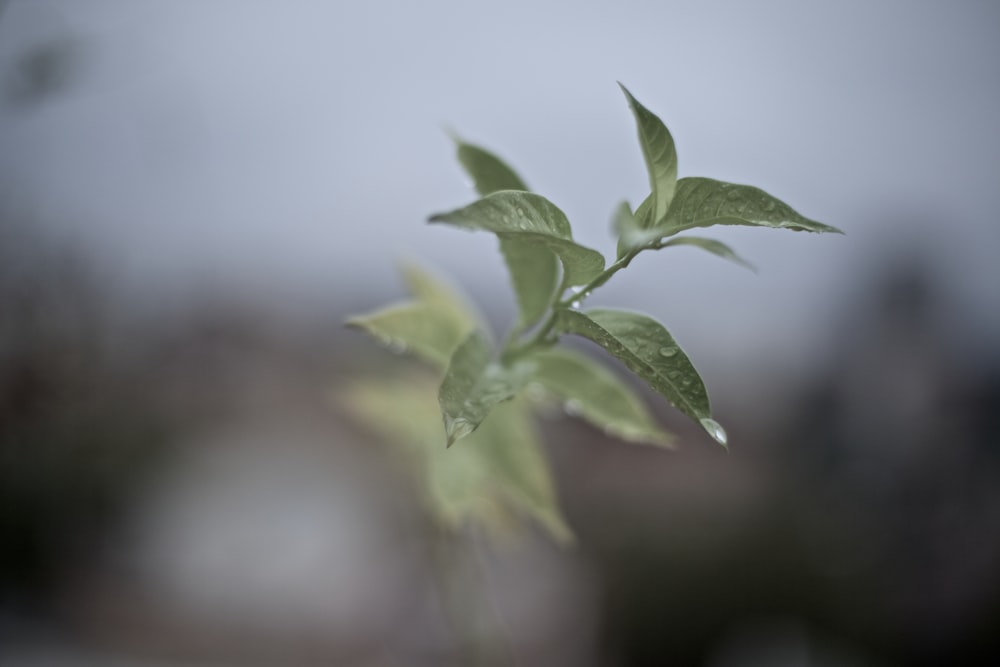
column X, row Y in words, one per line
column 296, row 148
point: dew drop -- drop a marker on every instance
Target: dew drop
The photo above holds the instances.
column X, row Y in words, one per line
column 733, row 194
column 668, row 352
column 573, row 407
column 520, row 211
column 770, row 206
column 457, row 428
column 715, row 430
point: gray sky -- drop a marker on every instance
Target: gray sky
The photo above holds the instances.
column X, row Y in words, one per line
column 296, row 148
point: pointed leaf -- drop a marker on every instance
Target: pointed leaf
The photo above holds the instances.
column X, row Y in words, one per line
column 429, row 331
column 488, row 172
column 660, row 155
column 648, row 349
column 510, row 211
column 533, row 219
column 473, row 385
column 534, row 274
column 512, row 449
column 534, row 269
column 428, row 288
column 626, row 227
column 702, row 202
column 597, row 395
column 500, row 473
column 711, row 245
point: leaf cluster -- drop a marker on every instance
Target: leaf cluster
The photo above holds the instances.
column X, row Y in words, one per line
column 481, row 390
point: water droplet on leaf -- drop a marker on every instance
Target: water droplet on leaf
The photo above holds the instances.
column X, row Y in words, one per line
column 715, row 430
column 457, row 428
column 573, row 407
column 668, row 352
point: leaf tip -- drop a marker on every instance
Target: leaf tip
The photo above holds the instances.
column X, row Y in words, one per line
column 628, row 95
column 452, row 134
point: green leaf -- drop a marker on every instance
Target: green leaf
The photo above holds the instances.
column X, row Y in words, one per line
column 534, row 269
column 711, row 245
column 427, row 330
column 427, row 288
column 534, row 219
column 598, row 396
column 512, row 450
column 626, row 227
column 703, row 202
column 500, row 473
column 648, row 349
column 473, row 385
column 488, row 172
column 431, row 326
column 534, row 274
column 660, row 155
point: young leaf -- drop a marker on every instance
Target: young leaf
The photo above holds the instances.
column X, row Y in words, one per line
column 702, row 202
column 645, row 347
column 488, row 172
column 509, row 444
column 626, row 227
column 534, row 274
column 534, row 269
column 533, row 219
column 660, row 155
column 426, row 329
column 500, row 474
column 431, row 326
column 427, row 288
column 711, row 245
column 598, row 396
column 473, row 385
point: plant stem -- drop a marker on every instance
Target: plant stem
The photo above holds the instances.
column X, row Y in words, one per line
column 541, row 336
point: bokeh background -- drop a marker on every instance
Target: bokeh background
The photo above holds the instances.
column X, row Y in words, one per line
column 193, row 196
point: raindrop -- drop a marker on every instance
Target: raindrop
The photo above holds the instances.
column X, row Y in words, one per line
column 668, row 352
column 770, row 206
column 715, row 430
column 733, row 194
column 520, row 211
column 457, row 428
column 573, row 407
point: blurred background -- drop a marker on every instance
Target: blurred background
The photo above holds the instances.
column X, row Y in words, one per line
column 193, row 196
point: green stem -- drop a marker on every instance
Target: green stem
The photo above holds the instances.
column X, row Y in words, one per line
column 541, row 336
